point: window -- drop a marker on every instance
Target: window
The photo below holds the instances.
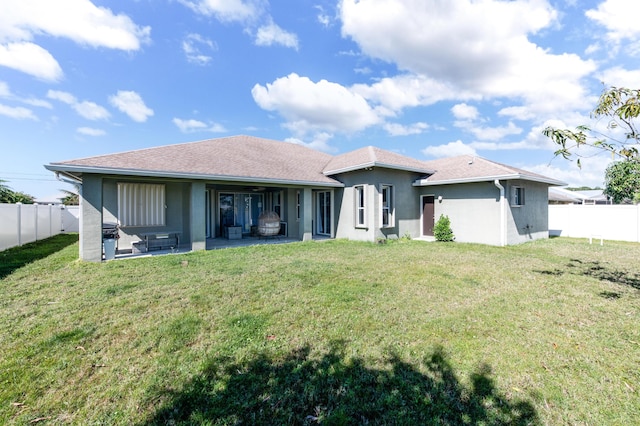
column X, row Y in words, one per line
column 276, row 204
column 517, row 196
column 387, row 209
column 298, row 205
column 141, row 204
column 360, row 206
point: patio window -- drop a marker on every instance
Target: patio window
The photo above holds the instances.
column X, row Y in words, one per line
column 277, row 206
column 141, row 204
column 360, row 206
column 387, row 208
column 517, row 196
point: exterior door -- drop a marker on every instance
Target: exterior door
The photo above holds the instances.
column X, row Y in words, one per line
column 323, row 215
column 428, row 215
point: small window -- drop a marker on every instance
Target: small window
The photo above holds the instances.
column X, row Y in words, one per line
column 297, row 205
column 517, row 196
column 387, row 208
column 276, row 204
column 141, row 204
column 360, row 206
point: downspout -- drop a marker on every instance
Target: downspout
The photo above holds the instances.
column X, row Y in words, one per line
column 502, row 214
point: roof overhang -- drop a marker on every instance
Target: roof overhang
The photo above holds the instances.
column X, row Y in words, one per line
column 76, row 172
column 372, row 164
column 515, row 176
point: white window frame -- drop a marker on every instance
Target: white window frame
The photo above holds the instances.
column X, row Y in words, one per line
column 360, row 206
column 141, row 204
column 517, row 196
column 389, row 207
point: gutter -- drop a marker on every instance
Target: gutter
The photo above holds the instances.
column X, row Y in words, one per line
column 68, row 170
column 503, row 231
column 515, row 176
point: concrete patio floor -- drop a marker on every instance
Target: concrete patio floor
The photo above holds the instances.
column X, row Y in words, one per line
column 212, row 244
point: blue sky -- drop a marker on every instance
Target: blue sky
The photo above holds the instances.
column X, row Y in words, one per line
column 425, row 78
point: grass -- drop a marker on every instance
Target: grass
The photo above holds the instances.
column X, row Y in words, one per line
column 325, row 333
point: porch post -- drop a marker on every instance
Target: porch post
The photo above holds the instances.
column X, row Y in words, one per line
column 197, row 223
column 91, row 218
column 333, row 213
column 307, row 215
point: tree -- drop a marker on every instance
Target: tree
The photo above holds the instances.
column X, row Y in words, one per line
column 7, row 195
column 70, row 198
column 622, row 180
column 442, row 229
column 621, row 106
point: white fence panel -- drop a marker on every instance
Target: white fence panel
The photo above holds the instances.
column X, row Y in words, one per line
column 8, row 226
column 610, row 222
column 25, row 223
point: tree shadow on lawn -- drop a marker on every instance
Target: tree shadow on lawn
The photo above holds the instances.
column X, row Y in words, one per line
column 600, row 272
column 331, row 389
column 16, row 257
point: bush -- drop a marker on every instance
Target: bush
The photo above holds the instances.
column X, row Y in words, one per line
column 442, row 230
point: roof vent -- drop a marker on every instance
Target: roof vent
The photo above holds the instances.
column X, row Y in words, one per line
column 472, row 160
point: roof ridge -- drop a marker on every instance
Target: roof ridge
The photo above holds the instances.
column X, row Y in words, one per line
column 372, row 153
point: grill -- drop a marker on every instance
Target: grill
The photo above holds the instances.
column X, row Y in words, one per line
column 268, row 224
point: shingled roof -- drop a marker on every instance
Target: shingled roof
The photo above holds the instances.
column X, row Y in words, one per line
column 265, row 161
column 371, row 156
column 467, row 168
column 237, row 158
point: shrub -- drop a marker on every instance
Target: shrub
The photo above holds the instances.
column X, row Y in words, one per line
column 442, row 230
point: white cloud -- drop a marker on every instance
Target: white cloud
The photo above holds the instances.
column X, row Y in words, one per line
column 78, row 20
column 487, row 133
column 517, row 112
column 5, row 93
column 323, row 18
column 31, row 59
column 88, row 131
column 226, row 10
column 61, row 96
column 620, row 77
column 319, row 141
column 396, row 129
column 192, row 48
column 91, row 110
column 491, row 57
column 86, row 109
column 308, row 106
column 590, row 174
column 449, row 150
column 271, row 34
column 131, row 103
column 19, row 113
column 191, row 126
column 464, row 112
column 619, row 17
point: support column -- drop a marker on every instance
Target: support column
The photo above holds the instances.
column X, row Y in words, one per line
column 307, row 215
column 197, row 208
column 333, row 213
column 91, row 218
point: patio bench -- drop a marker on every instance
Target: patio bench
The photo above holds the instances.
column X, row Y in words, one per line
column 161, row 240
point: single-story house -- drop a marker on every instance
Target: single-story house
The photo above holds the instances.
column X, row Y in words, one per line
column 218, row 188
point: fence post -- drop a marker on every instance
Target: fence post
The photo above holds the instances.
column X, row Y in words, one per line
column 35, row 215
column 19, row 222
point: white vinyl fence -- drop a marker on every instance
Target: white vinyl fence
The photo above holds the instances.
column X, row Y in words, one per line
column 24, row 223
column 609, row 222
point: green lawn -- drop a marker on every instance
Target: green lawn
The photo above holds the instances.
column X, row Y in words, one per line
column 324, row 333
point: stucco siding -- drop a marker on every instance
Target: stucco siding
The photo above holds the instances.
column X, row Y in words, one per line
column 405, row 204
column 177, row 211
column 531, row 220
column 473, row 208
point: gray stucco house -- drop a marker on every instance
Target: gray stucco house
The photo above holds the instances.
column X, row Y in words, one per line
column 200, row 190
